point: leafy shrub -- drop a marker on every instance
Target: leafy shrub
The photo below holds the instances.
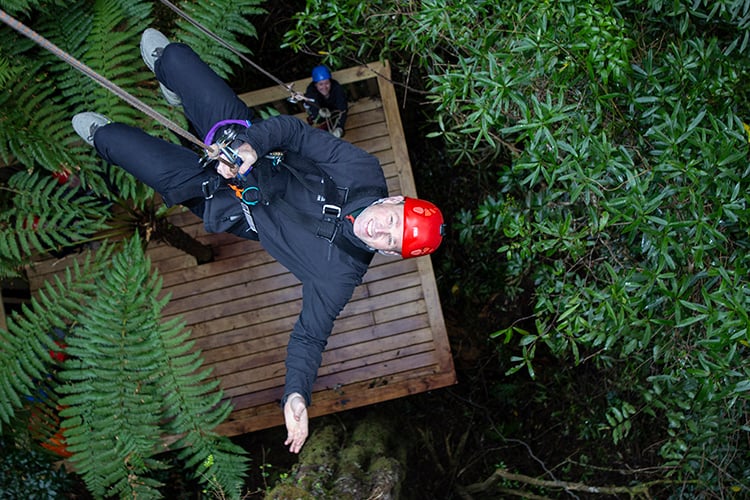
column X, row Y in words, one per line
column 634, row 231
column 26, row 472
column 626, row 203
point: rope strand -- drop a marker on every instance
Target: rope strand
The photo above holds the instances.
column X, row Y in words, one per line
column 130, row 99
column 294, row 94
column 107, row 84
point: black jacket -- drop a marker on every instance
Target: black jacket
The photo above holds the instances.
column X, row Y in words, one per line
column 328, row 273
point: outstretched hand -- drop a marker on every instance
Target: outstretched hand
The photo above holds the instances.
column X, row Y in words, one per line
column 295, row 415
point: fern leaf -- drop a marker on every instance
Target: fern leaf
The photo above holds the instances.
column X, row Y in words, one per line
column 119, row 360
column 222, row 59
column 24, row 358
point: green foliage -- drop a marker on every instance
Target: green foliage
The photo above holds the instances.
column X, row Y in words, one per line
column 633, row 228
column 227, row 27
column 35, row 111
column 129, row 381
column 45, row 217
column 29, row 473
column 626, row 203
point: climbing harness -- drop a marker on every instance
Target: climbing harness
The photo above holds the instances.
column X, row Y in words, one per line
column 325, row 120
column 332, row 199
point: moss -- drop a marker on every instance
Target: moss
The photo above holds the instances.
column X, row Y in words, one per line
column 322, row 446
column 289, row 492
column 317, row 461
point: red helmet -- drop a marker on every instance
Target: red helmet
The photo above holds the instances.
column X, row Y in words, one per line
column 423, row 228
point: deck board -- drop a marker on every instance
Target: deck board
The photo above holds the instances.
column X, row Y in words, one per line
column 388, row 342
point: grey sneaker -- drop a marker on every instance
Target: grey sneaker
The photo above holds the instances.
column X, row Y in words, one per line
column 86, row 124
column 152, row 46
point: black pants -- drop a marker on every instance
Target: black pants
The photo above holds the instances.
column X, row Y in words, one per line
column 164, row 166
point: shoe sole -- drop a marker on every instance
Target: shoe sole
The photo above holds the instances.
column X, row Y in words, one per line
column 82, row 125
column 153, row 39
column 169, row 96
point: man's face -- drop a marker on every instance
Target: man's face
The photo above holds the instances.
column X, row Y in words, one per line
column 381, row 226
column 324, row 87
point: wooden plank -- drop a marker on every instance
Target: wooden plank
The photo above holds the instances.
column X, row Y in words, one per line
column 180, row 261
column 278, row 93
column 180, row 281
column 381, row 365
column 253, row 417
column 367, row 330
column 248, row 316
column 247, row 338
column 271, row 304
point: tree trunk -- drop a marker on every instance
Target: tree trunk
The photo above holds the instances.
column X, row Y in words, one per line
column 368, row 465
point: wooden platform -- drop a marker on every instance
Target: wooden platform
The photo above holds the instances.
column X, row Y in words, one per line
column 390, row 340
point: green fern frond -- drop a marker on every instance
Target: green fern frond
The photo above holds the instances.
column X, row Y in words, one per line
column 28, row 115
column 6, row 71
column 111, row 389
column 216, row 466
column 130, row 379
column 24, row 359
column 46, row 217
column 21, row 8
column 194, row 408
column 229, row 28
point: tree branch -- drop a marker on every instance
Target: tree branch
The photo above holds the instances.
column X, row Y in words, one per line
column 501, row 474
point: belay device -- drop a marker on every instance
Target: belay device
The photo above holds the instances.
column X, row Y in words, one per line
column 228, row 144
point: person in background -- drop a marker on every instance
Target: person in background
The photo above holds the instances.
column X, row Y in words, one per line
column 327, row 105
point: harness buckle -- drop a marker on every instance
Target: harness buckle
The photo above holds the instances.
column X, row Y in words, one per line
column 206, row 189
column 332, row 211
column 329, row 226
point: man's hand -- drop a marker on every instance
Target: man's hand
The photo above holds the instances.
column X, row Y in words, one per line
column 226, row 168
column 295, row 414
column 248, row 155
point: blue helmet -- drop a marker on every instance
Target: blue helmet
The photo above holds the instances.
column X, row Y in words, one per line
column 320, row 73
